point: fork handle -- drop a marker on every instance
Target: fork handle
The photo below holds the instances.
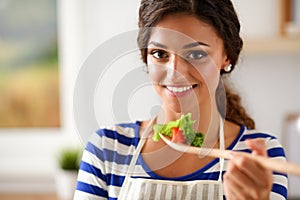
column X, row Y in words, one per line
column 270, row 163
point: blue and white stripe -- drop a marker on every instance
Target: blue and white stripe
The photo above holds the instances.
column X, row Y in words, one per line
column 109, row 151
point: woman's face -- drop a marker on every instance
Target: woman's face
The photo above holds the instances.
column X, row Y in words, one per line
column 184, row 57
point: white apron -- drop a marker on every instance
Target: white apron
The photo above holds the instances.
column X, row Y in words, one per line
column 153, row 189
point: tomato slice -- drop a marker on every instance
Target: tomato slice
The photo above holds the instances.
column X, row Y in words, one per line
column 177, row 135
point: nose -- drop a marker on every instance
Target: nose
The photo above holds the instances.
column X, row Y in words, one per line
column 177, row 67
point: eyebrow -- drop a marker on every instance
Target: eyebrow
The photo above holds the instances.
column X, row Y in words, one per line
column 194, row 44
column 190, row 45
column 158, row 44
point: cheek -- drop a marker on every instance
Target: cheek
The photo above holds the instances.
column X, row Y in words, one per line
column 157, row 73
column 209, row 75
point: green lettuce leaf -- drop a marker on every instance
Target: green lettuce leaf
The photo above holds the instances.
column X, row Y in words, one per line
column 164, row 129
column 184, row 124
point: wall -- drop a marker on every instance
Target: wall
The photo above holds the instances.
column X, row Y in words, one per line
column 267, row 84
column 266, row 80
column 259, row 18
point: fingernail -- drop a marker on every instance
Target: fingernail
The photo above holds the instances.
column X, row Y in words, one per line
column 231, row 156
column 259, row 144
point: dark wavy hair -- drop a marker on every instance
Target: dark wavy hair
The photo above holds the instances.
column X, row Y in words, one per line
column 221, row 15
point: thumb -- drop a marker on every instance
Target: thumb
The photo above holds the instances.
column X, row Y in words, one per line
column 258, row 146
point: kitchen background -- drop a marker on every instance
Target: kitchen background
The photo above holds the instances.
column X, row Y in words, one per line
column 267, row 77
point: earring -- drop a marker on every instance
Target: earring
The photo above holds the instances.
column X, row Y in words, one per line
column 228, row 68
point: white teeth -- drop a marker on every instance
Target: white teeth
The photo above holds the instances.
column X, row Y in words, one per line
column 179, row 89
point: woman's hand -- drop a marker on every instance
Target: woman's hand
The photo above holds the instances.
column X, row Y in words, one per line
column 245, row 178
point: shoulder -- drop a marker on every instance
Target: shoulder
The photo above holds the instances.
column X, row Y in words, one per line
column 254, row 133
column 123, row 130
column 112, row 144
column 105, row 160
column 274, row 147
column 124, row 134
column 270, row 138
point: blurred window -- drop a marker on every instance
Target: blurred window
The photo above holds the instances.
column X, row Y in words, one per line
column 29, row 78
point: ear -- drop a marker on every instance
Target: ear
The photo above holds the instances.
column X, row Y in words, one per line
column 226, row 62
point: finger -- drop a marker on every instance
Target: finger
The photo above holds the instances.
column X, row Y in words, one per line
column 241, row 181
column 249, row 167
column 258, row 146
column 231, row 189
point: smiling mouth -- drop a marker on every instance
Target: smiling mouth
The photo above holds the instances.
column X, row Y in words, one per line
column 180, row 89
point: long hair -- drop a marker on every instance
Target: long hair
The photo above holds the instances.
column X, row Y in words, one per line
column 221, row 15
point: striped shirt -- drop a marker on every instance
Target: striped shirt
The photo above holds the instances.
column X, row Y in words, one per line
column 109, row 151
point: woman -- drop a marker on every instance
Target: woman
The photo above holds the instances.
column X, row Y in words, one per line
column 187, row 46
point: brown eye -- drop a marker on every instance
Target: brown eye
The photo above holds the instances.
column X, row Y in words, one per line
column 159, row 54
